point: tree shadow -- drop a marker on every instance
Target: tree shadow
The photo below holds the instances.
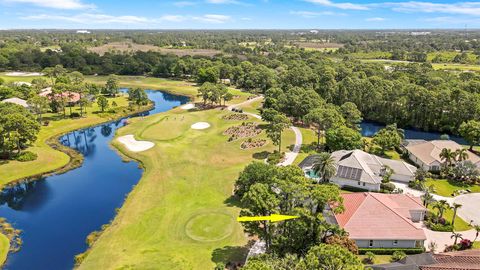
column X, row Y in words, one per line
column 232, row 257
column 261, row 155
column 233, row 201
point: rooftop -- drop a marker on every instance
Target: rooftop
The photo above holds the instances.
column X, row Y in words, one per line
column 429, row 151
column 380, row 216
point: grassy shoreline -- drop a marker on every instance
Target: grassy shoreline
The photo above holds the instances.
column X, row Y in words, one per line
column 56, row 158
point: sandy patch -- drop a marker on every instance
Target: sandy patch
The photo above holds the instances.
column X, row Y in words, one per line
column 23, row 74
column 134, row 145
column 187, row 106
column 200, row 125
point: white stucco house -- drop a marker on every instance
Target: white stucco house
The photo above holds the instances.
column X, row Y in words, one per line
column 426, row 154
column 356, row 168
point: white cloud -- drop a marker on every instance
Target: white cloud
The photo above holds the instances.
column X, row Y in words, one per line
column 184, row 3
column 375, row 19
column 172, row 18
column 311, row 14
column 101, row 19
column 464, row 8
column 212, row 18
column 88, row 18
column 222, row 1
column 58, row 4
column 344, row 5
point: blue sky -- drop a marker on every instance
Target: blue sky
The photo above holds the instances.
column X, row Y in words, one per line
column 238, row 14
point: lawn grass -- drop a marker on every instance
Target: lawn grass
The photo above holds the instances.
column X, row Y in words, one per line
column 4, row 248
column 476, row 245
column 446, row 188
column 50, row 159
column 180, row 215
column 460, row 224
column 309, row 137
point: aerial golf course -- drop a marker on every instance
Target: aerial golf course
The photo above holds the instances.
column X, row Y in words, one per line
column 180, row 215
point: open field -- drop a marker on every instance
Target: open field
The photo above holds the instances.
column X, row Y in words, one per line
column 179, row 215
column 319, row 46
column 50, row 159
column 446, row 188
column 4, row 248
column 128, row 47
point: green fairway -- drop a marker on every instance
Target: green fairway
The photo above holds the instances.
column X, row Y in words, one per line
column 179, row 216
column 4, row 247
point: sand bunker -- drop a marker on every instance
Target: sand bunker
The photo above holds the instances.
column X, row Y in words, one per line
column 134, row 145
column 23, row 74
column 200, row 125
column 188, row 106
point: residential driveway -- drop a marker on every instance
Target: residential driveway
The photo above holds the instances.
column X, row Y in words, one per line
column 470, row 209
column 418, row 193
column 443, row 239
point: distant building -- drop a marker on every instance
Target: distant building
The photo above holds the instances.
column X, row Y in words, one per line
column 377, row 220
column 83, row 32
column 426, row 154
column 17, row 101
column 22, row 84
column 356, row 168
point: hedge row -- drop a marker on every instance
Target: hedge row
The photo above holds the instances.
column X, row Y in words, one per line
column 390, row 251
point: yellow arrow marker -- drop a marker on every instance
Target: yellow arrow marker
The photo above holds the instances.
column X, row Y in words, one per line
column 271, row 218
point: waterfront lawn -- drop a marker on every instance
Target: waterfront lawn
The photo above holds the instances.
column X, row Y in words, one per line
column 460, row 224
column 446, row 188
column 180, row 215
column 4, row 248
column 50, row 159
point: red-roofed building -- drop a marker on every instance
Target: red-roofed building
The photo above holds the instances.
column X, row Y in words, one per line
column 376, row 220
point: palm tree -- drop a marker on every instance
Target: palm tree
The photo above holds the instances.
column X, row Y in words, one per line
column 461, row 154
column 455, row 207
column 477, row 228
column 427, row 196
column 448, row 156
column 324, row 166
column 441, row 206
column 456, row 236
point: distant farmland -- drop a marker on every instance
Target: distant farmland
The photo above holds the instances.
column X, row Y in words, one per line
column 126, row 47
column 319, row 46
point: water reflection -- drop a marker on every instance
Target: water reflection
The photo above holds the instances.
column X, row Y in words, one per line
column 57, row 213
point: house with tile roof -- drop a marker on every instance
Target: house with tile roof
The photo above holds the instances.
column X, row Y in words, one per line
column 457, row 260
column 17, row 101
column 356, row 168
column 377, row 220
column 426, row 154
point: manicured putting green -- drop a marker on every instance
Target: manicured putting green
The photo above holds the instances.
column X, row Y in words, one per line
column 210, row 227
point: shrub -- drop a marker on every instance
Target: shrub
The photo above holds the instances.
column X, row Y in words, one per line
column 390, row 187
column 465, row 244
column 390, row 251
column 370, row 258
column 26, row 156
column 353, row 189
column 274, row 158
column 398, row 255
column 74, row 115
column 438, row 227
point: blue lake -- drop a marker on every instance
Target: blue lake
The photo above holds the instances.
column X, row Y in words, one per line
column 57, row 213
column 370, row 128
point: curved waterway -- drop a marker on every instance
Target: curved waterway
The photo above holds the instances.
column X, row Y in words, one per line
column 57, row 213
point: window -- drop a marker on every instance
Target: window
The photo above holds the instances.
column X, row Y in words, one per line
column 370, row 244
column 363, row 184
column 435, row 168
column 395, row 242
column 359, row 183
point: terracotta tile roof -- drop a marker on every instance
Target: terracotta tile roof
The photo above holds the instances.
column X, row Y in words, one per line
column 380, row 216
column 459, row 260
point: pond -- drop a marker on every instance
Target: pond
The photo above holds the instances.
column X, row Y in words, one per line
column 57, row 213
column 370, row 128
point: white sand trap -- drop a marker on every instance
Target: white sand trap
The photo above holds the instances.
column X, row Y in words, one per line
column 134, row 145
column 23, row 74
column 200, row 125
column 187, row 106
